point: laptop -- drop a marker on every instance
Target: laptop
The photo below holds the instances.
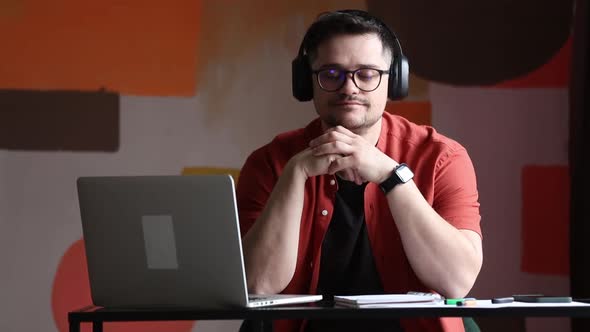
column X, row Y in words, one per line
column 159, row 241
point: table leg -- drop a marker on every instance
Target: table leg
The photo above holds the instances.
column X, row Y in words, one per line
column 97, row 326
column 264, row 326
column 256, row 326
column 74, row 326
column 268, row 326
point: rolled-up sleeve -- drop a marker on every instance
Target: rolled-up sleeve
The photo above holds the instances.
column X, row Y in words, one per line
column 456, row 196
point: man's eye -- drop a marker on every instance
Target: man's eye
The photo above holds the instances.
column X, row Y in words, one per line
column 332, row 74
column 366, row 75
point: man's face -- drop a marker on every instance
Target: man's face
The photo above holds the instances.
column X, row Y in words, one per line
column 349, row 106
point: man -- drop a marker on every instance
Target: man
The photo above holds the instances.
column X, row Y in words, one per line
column 334, row 208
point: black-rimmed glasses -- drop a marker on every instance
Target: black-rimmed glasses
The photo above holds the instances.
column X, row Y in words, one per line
column 333, row 79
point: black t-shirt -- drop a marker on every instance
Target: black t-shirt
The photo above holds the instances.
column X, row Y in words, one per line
column 347, row 266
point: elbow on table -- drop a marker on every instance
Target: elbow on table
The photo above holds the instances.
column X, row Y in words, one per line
column 266, row 284
column 462, row 285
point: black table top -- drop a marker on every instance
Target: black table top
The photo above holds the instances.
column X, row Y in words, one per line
column 90, row 314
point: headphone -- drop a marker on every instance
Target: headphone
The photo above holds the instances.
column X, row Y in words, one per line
column 399, row 70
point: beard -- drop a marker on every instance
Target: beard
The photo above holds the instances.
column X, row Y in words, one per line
column 354, row 125
column 355, row 120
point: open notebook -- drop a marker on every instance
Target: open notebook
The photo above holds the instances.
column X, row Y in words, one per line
column 154, row 241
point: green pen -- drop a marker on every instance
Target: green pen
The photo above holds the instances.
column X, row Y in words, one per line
column 457, row 301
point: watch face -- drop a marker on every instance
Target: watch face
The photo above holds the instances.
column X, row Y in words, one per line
column 404, row 173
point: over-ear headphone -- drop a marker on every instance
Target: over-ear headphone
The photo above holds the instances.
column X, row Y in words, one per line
column 302, row 80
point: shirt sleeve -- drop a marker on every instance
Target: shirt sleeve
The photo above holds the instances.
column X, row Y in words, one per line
column 257, row 179
column 456, row 196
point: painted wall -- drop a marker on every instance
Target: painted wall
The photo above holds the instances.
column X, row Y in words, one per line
column 205, row 83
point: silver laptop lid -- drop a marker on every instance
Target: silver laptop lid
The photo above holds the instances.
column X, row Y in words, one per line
column 162, row 241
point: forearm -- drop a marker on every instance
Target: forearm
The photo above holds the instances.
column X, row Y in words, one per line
column 270, row 246
column 446, row 259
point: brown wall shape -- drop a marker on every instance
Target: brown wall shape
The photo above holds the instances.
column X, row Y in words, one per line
column 465, row 42
column 59, row 120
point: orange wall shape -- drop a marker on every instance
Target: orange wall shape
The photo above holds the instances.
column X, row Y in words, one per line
column 131, row 47
column 419, row 112
column 71, row 291
column 545, row 219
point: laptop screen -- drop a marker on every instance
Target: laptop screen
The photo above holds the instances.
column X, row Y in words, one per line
column 162, row 241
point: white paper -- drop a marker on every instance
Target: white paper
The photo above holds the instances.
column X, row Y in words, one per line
column 385, row 298
column 486, row 304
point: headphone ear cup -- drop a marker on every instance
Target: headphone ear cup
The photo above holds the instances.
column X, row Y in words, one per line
column 399, row 78
column 301, row 79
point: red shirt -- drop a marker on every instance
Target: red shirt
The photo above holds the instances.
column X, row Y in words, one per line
column 443, row 173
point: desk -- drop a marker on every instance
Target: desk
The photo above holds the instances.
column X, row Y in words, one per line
column 99, row 315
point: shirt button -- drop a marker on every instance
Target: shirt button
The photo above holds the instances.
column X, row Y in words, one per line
column 324, row 212
column 332, row 182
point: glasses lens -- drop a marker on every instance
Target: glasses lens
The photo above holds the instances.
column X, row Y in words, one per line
column 331, row 79
column 367, row 79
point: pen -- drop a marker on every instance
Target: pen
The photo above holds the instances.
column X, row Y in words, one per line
column 457, row 301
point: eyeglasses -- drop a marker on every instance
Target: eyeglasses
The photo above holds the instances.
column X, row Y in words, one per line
column 333, row 79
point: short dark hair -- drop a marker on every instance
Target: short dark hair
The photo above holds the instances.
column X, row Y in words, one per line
column 345, row 22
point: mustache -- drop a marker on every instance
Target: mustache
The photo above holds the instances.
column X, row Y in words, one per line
column 347, row 98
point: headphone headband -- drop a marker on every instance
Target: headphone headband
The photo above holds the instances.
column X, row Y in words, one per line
column 302, row 83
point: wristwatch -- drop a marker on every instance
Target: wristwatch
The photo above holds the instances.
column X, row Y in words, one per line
column 401, row 174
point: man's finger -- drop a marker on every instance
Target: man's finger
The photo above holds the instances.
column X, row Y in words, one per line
column 342, row 130
column 332, row 136
column 339, row 148
column 341, row 164
column 346, row 175
column 357, row 178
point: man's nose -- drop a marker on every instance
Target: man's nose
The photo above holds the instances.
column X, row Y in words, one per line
column 349, row 87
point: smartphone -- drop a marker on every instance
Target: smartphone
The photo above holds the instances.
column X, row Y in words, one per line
column 540, row 298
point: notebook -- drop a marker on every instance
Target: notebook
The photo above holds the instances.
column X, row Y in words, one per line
column 380, row 300
column 159, row 241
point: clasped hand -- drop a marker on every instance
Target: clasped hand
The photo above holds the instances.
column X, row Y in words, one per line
column 341, row 151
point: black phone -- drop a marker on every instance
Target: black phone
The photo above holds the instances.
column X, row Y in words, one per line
column 540, row 298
